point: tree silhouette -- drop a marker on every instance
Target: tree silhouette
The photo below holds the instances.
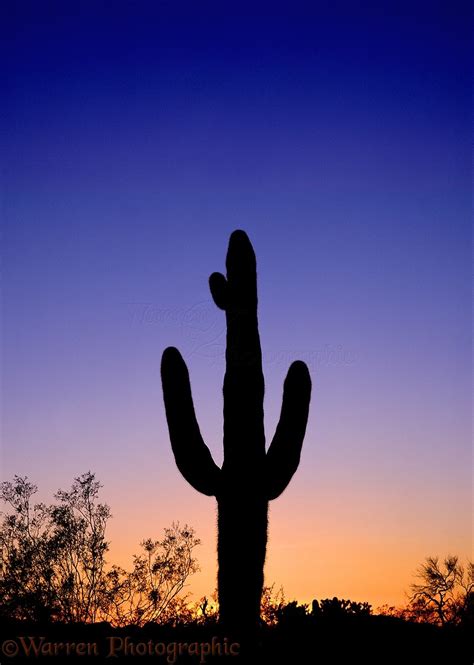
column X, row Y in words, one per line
column 53, row 567
column 250, row 477
column 443, row 594
column 26, row 593
column 53, row 556
column 151, row 590
column 445, row 591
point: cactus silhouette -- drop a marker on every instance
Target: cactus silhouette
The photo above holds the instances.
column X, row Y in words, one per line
column 250, row 477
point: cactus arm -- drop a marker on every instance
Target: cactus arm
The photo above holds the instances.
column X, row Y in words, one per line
column 219, row 290
column 283, row 455
column 192, row 456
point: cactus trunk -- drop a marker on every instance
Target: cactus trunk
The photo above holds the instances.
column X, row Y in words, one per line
column 242, row 540
column 250, row 477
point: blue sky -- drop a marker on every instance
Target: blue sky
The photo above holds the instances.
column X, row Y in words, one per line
column 136, row 137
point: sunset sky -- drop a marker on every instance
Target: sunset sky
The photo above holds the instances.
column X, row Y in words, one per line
column 135, row 137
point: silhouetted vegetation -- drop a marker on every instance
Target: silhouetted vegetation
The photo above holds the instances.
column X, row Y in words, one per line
column 331, row 631
column 53, row 564
column 443, row 594
column 250, row 477
column 56, row 588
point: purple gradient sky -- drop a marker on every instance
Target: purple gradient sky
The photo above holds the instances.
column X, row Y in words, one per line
column 135, row 139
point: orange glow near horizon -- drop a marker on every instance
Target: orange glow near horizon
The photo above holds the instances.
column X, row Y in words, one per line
column 366, row 546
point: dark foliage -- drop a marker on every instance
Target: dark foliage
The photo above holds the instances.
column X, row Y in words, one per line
column 349, row 638
column 53, row 566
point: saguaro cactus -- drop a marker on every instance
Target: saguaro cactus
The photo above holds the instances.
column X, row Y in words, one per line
column 250, row 477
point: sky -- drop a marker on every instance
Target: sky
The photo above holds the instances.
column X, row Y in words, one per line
column 136, row 136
